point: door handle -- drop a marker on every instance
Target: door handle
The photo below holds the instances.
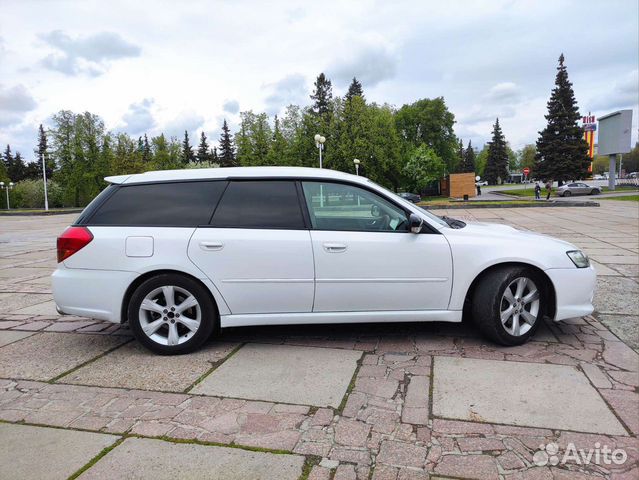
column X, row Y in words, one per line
column 211, row 246
column 334, row 247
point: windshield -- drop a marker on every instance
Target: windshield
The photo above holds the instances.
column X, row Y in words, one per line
column 430, row 216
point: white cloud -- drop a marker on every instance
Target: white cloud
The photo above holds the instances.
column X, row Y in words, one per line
column 14, row 103
column 371, row 65
column 290, row 89
column 90, row 54
column 139, row 117
column 231, row 106
column 185, row 121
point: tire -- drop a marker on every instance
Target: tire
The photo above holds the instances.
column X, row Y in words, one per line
column 490, row 300
column 594, row 192
column 567, row 193
column 173, row 327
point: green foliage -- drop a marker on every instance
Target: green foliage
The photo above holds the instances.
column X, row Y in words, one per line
column 600, row 165
column 527, row 159
column 187, row 150
column 322, row 95
column 203, row 154
column 30, row 194
column 429, row 122
column 496, row 170
column 253, row 141
column 423, row 167
column 227, row 149
column 354, row 90
column 562, row 153
column 468, row 165
column 631, row 160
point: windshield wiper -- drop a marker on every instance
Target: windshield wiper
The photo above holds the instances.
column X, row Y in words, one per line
column 453, row 222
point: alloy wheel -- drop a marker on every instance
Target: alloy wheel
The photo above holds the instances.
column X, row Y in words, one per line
column 519, row 309
column 170, row 315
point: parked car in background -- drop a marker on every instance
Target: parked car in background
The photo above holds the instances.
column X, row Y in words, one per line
column 179, row 254
column 411, row 197
column 577, row 188
column 598, row 177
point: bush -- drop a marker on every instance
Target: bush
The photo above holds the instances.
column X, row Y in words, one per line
column 30, row 194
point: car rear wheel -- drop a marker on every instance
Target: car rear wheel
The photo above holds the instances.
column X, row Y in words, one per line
column 171, row 314
column 567, row 193
column 509, row 303
column 594, row 192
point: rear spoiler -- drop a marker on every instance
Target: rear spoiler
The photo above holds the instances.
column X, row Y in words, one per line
column 117, row 179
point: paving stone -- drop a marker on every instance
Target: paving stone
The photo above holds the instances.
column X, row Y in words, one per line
column 401, row 454
column 37, row 452
column 626, row 404
column 10, row 336
column 47, row 355
column 468, row 466
column 46, row 308
column 596, row 376
column 351, row 432
column 479, row 444
column 626, row 327
column 620, row 355
column 132, row 366
column 10, row 302
column 160, row 460
column 517, row 393
column 284, row 373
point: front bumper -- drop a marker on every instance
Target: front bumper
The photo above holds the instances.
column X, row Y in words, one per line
column 574, row 291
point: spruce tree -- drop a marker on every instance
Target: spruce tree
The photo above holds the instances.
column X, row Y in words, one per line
column 213, row 157
column 459, row 168
column 7, row 159
column 354, row 89
column 19, row 170
column 497, row 162
column 322, row 95
column 562, row 153
column 469, row 159
column 227, row 149
column 146, row 150
column 187, row 150
column 42, row 156
column 203, row 150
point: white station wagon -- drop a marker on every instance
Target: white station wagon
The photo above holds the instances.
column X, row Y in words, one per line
column 180, row 254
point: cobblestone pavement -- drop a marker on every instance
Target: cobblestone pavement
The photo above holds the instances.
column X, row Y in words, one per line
column 423, row 400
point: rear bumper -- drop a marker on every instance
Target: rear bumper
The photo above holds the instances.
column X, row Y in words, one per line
column 574, row 291
column 90, row 293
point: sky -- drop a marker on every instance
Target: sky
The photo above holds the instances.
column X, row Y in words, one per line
column 165, row 66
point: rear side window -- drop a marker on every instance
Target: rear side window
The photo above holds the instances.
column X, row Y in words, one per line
column 259, row 204
column 173, row 204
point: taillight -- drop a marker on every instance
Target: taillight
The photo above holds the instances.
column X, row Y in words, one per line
column 72, row 240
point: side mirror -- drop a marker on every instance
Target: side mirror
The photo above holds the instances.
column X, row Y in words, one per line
column 415, row 222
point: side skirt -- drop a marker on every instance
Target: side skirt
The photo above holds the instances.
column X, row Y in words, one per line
column 245, row 320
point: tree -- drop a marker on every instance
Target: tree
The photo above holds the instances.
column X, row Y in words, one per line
column 42, row 157
column 354, row 90
column 147, row 154
column 631, row 160
column 227, row 149
column 322, row 95
column 527, row 159
column 187, row 150
column 497, row 161
column 423, row 167
column 459, row 168
column 277, row 154
column 7, row 160
column 213, row 157
column 469, row 159
column 428, row 121
column 253, row 139
column 18, row 170
column 203, row 155
column 562, row 153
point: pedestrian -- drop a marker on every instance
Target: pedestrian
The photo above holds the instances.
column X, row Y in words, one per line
column 537, row 191
column 478, row 188
column 548, row 189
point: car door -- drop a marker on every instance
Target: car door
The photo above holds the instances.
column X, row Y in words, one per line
column 366, row 259
column 257, row 249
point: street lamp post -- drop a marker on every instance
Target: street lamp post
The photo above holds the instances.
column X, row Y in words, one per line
column 7, row 187
column 44, row 176
column 356, row 162
column 319, row 142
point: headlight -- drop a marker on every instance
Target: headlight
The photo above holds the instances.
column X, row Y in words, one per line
column 579, row 258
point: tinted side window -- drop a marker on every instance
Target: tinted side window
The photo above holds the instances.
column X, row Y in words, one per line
column 259, row 204
column 93, row 206
column 179, row 204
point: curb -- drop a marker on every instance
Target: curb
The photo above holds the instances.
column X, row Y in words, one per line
column 471, row 205
column 38, row 213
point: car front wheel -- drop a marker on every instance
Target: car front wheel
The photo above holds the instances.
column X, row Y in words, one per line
column 171, row 314
column 567, row 194
column 508, row 304
column 594, row 192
